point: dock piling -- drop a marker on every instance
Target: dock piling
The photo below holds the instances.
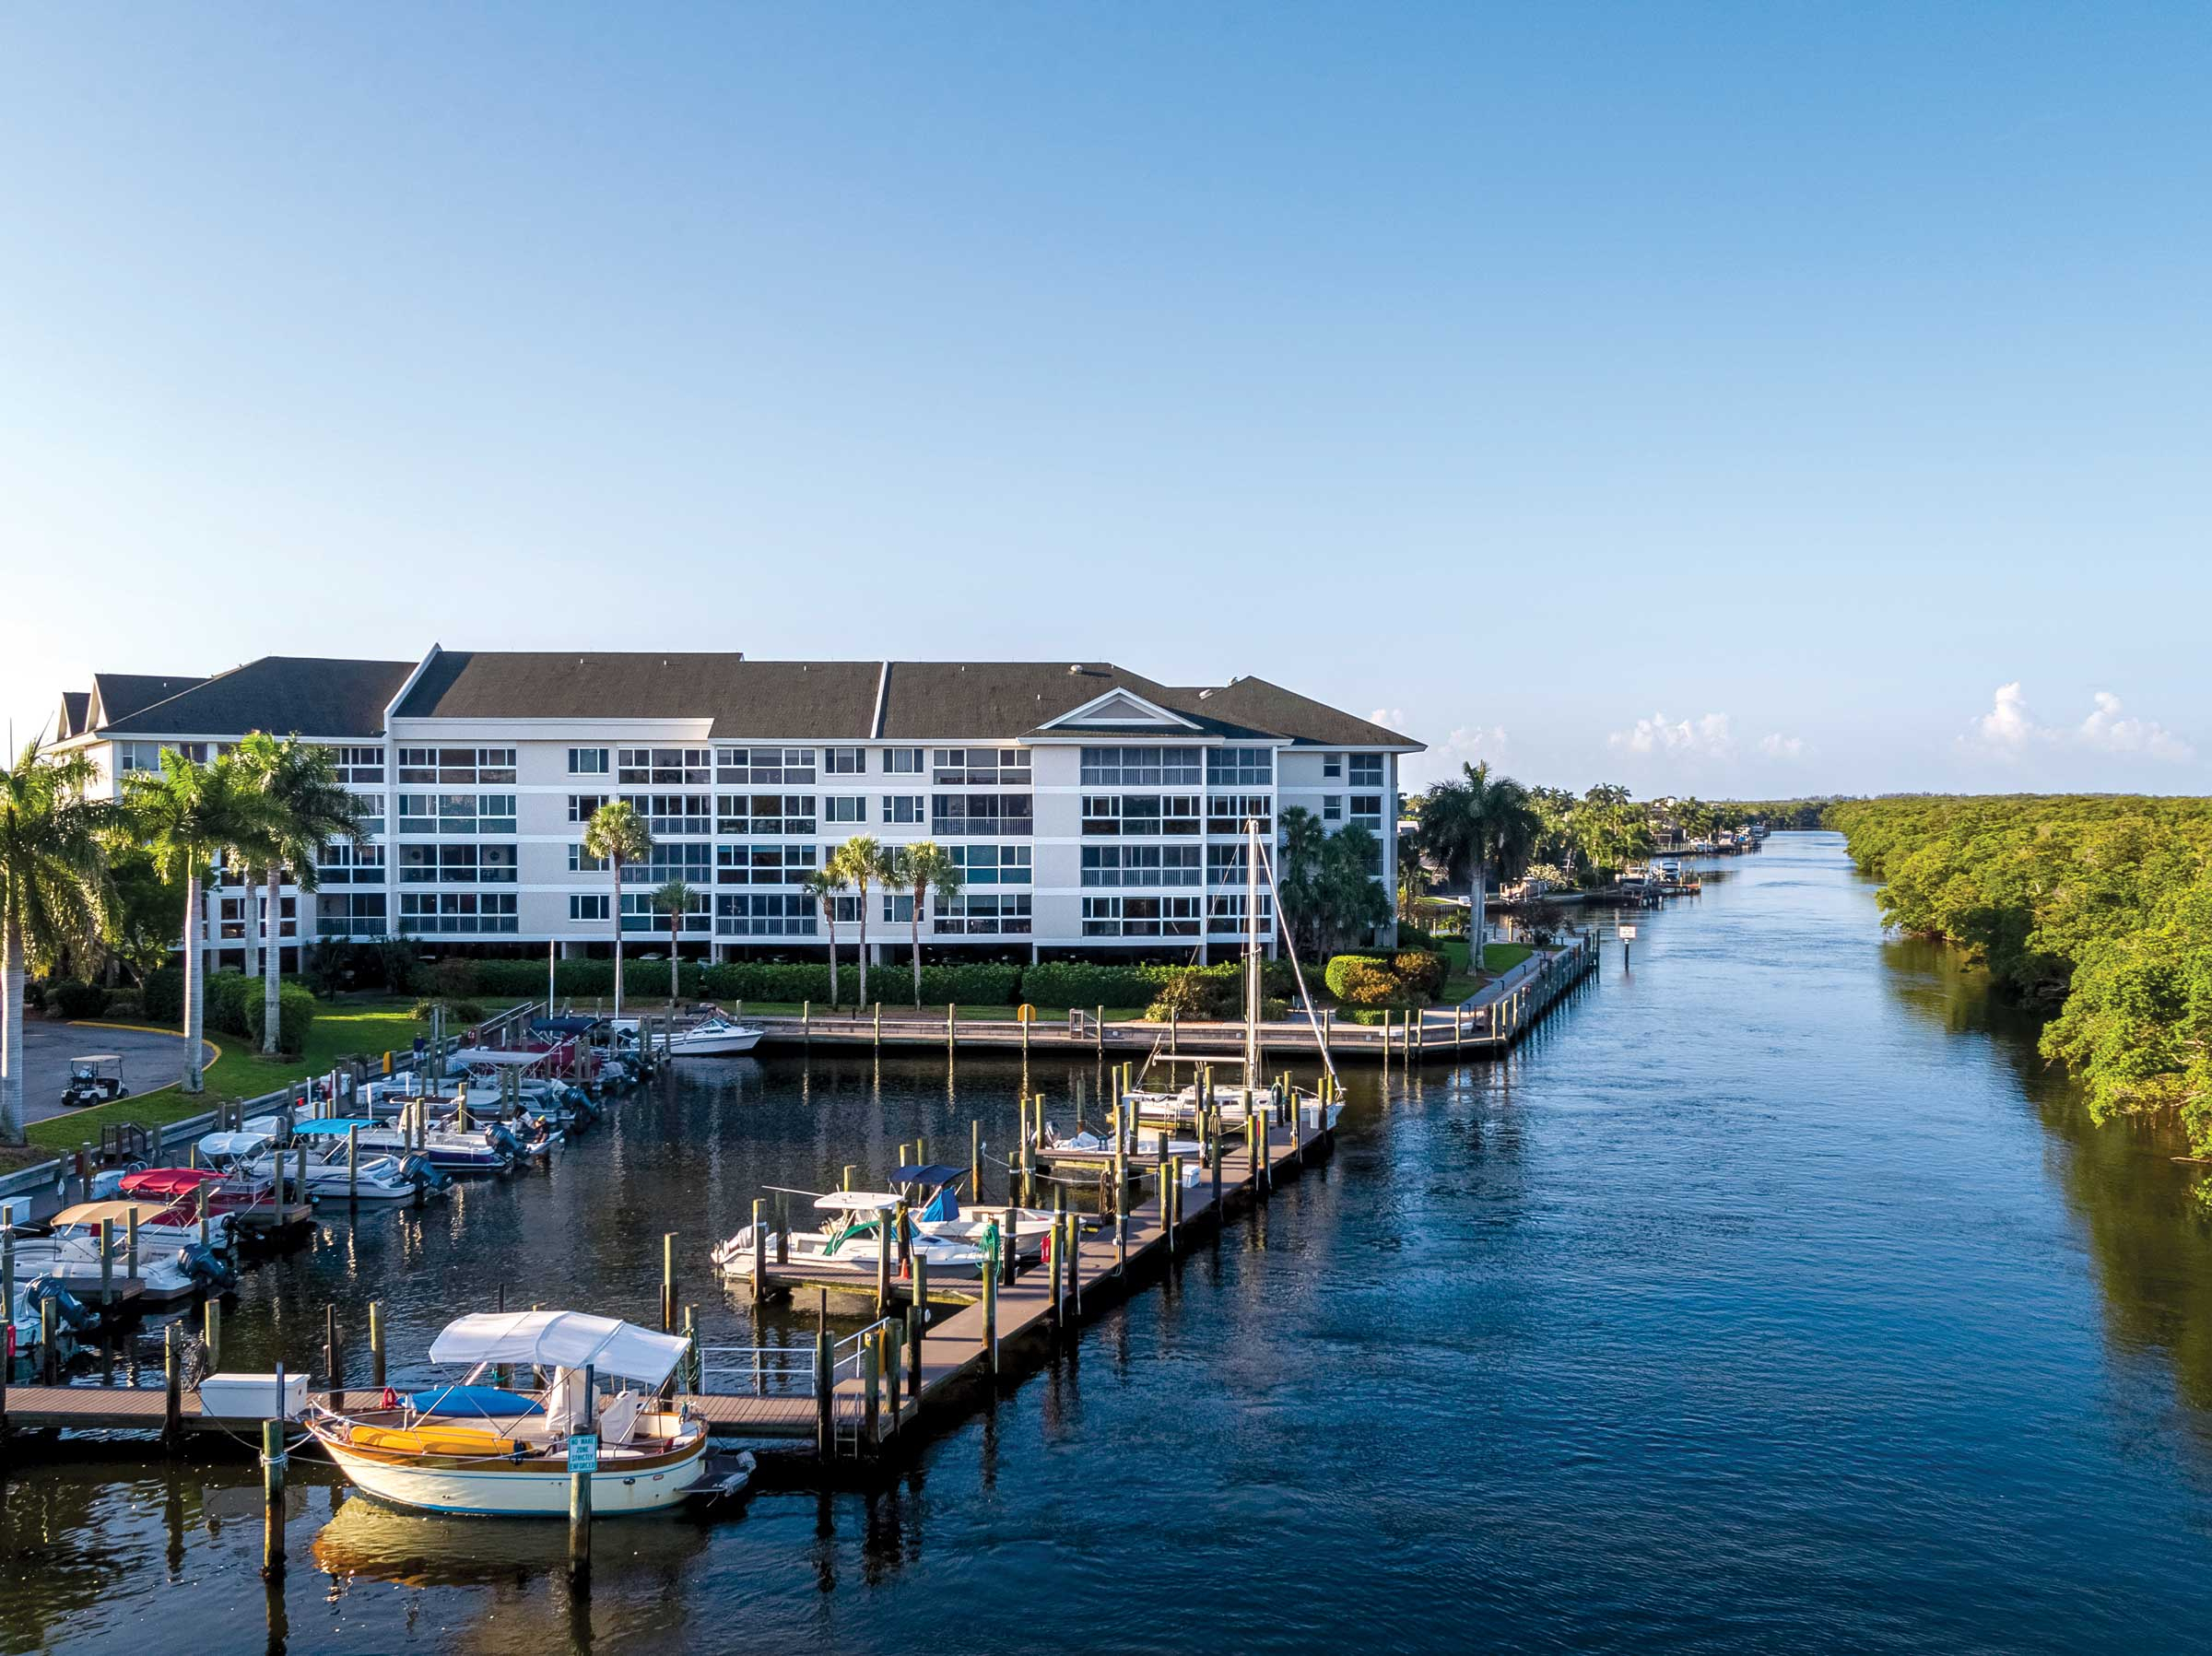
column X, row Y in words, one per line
column 330, row 1348
column 172, row 1392
column 130, row 1244
column 917, row 1314
column 991, row 1295
column 668, row 1282
column 50, row 1364
column 353, row 1164
column 272, row 1487
column 213, row 1335
column 760, row 1246
column 376, row 1344
column 107, row 1263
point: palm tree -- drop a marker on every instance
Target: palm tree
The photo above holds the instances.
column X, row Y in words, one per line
column 53, row 890
column 1471, row 825
column 1303, row 838
column 921, row 867
column 616, row 835
column 672, row 897
column 823, row 885
column 863, row 862
column 308, row 808
column 186, row 815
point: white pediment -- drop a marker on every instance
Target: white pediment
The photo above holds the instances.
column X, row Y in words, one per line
column 1121, row 708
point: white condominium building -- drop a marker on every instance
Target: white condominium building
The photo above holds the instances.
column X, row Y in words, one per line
column 1093, row 811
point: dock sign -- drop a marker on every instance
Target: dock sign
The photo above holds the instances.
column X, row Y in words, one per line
column 1627, row 933
column 583, row 1451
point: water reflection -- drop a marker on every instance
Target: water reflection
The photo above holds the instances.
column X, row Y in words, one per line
column 1774, row 1294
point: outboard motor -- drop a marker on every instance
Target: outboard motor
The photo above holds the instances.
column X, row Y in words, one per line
column 68, row 1310
column 503, row 1141
column 207, row 1267
column 415, row 1166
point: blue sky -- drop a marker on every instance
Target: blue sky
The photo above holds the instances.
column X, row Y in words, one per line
column 1738, row 399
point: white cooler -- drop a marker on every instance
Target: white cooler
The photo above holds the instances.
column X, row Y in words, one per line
column 252, row 1396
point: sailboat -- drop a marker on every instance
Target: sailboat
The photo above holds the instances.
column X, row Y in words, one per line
column 1173, row 1110
column 514, row 1462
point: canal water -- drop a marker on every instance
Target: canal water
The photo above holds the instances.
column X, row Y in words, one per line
column 1773, row 1295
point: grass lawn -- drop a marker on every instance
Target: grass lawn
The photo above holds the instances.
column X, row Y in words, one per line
column 341, row 1030
column 1498, row 958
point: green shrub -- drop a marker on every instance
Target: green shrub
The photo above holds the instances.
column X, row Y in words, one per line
column 1336, row 975
column 122, row 1008
column 295, row 1017
column 1422, row 973
column 227, row 996
column 1189, row 995
column 451, row 980
column 70, row 998
column 161, row 996
column 1367, row 984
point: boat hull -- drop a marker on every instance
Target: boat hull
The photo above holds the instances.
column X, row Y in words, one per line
column 509, row 1491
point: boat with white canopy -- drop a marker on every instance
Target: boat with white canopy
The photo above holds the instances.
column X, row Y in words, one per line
column 847, row 1245
column 504, row 1453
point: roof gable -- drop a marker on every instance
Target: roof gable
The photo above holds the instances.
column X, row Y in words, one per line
column 281, row 694
column 1119, row 707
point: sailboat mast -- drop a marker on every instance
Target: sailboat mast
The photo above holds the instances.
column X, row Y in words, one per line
column 1251, row 951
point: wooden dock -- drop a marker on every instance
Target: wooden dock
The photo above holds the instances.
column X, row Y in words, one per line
column 1485, row 1026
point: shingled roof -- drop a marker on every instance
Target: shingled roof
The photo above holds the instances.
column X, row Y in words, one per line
column 742, row 697
column 312, row 695
column 920, row 701
column 119, row 695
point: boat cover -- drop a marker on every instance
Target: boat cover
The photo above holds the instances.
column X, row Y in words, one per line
column 934, row 1172
column 168, row 1182
column 858, row 1201
column 330, row 1126
column 494, row 1057
column 119, row 1214
column 563, row 1025
column 481, row 1403
column 244, row 1144
column 562, row 1340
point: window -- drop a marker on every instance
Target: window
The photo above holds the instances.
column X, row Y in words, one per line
column 580, row 863
column 764, row 764
column 844, row 761
column 343, row 862
column 903, row 809
column 671, row 861
column 665, row 767
column 1140, row 916
column 848, row 908
column 1366, row 770
column 981, row 767
column 1140, row 865
column 1139, row 767
column 640, row 913
column 1140, row 814
column 671, row 813
column 587, row 762
column 898, row 907
column 1239, row 767
column 752, row 915
column 359, row 765
column 583, row 805
column 764, row 813
column 1226, row 813
column 1225, row 865
column 903, row 761
column 371, row 808
column 991, row 864
column 582, row 906
column 1367, row 810
column 455, row 814
column 136, row 755
column 422, row 912
column 451, row 766
column 1331, row 808
column 979, row 815
column 988, row 913
column 358, row 915
column 462, row 864
column 762, row 865
column 845, row 808
column 1225, row 915
column 1332, row 766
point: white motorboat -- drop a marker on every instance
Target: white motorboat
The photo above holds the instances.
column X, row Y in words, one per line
column 486, row 1452
column 384, row 1174
column 172, row 1271
column 848, row 1246
column 713, row 1037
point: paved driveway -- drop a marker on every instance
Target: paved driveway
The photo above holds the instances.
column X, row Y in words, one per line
column 150, row 1061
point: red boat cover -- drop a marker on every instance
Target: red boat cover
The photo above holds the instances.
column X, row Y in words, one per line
column 165, row 1181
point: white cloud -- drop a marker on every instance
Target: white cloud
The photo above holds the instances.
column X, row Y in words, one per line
column 1704, row 738
column 2106, row 728
column 1467, row 744
column 2008, row 726
column 2009, row 729
column 1779, row 747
